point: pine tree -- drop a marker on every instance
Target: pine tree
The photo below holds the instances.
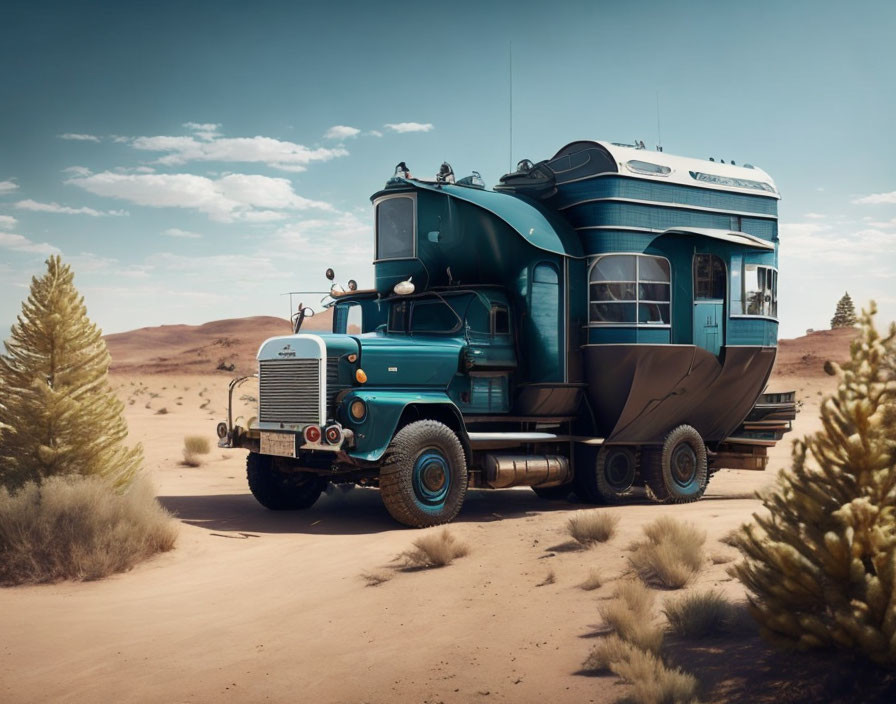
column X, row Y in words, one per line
column 58, row 413
column 821, row 564
column 845, row 315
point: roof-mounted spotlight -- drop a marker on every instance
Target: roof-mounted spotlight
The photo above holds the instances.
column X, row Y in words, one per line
column 352, row 285
column 404, row 288
column 330, row 274
column 446, row 173
column 401, row 170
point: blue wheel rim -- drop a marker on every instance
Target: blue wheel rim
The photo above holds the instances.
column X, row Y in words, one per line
column 684, row 465
column 431, row 479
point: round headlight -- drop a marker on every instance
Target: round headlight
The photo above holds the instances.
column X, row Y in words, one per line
column 358, row 409
column 222, row 430
column 312, row 434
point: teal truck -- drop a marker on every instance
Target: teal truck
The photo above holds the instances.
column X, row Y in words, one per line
column 603, row 322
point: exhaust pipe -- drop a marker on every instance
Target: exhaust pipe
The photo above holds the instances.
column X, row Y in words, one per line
column 502, row 471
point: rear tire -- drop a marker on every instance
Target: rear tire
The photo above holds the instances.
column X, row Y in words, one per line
column 677, row 473
column 423, row 480
column 615, row 472
column 280, row 490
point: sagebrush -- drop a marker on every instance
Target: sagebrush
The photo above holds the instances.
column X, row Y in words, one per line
column 629, row 614
column 702, row 614
column 79, row 528
column 194, row 447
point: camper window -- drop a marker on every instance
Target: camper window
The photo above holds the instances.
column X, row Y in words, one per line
column 630, row 289
column 760, row 291
column 395, row 228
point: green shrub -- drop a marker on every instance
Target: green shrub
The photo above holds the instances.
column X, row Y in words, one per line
column 821, row 562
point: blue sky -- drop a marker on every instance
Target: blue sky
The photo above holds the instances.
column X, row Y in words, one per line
column 194, row 160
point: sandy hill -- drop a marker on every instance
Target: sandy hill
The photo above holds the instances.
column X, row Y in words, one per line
column 200, row 349
column 806, row 355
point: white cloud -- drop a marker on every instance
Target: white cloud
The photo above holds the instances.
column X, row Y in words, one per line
column 231, row 197
column 813, row 241
column 37, row 207
column 7, row 222
column 815, row 216
column 885, row 224
column 20, row 243
column 341, row 132
column 8, row 187
column 185, row 234
column 76, row 171
column 877, row 198
column 205, row 130
column 409, row 126
column 374, row 133
column 278, row 154
column 75, row 137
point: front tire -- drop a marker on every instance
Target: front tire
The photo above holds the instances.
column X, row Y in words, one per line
column 423, row 480
column 678, row 473
column 280, row 490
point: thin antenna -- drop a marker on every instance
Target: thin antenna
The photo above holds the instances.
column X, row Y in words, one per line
column 510, row 78
column 659, row 134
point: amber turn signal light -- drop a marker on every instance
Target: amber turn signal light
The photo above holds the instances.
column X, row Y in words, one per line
column 360, row 376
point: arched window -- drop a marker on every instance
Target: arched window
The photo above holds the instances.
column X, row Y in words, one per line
column 630, row 290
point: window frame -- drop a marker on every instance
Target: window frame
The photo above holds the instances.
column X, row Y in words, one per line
column 493, row 314
column 743, row 292
column 637, row 300
column 724, row 297
column 376, row 227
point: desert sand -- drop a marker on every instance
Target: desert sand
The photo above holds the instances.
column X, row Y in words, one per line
column 257, row 606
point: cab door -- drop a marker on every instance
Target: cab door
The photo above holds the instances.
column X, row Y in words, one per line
column 709, row 302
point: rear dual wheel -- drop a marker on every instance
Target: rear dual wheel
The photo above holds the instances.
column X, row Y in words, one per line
column 610, row 478
column 677, row 473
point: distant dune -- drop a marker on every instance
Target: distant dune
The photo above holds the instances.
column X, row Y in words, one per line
column 213, row 347
column 201, row 349
column 805, row 356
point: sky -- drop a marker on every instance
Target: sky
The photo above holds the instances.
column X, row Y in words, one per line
column 193, row 161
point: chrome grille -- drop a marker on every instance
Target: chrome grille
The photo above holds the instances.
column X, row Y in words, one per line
column 288, row 391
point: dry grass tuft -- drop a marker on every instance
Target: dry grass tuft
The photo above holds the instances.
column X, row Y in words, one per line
column 194, row 446
column 732, row 538
column 652, row 682
column 162, row 411
column 592, row 581
column 376, row 578
column 630, row 617
column 608, row 652
column 79, row 528
column 671, row 555
column 589, row 527
column 701, row 614
column 550, row 578
column 434, row 550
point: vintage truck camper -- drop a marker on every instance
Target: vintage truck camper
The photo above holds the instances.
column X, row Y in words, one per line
column 602, row 322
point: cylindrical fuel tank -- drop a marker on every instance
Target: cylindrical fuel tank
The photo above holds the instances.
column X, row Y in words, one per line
column 502, row 471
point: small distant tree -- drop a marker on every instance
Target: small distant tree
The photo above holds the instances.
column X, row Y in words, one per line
column 821, row 563
column 58, row 413
column 845, row 315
